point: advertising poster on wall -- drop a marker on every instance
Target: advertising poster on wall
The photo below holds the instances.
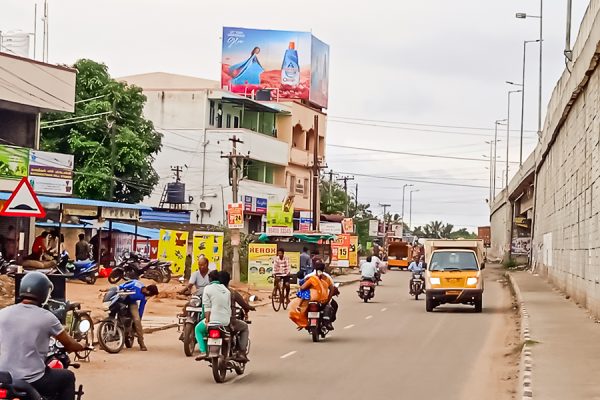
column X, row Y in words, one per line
column 148, row 248
column 280, row 219
column 520, row 246
column 373, row 227
column 172, row 246
column 348, row 225
column 235, row 215
column 340, row 251
column 280, row 61
column 260, row 263
column 14, row 162
column 210, row 245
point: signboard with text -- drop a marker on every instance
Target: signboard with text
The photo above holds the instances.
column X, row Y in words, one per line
column 332, row 228
column 280, row 219
column 235, row 215
column 340, row 251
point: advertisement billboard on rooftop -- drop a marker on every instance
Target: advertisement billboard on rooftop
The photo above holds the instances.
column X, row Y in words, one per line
column 292, row 65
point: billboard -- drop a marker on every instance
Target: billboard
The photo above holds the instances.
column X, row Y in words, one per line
column 294, row 64
column 172, row 246
column 280, row 219
column 209, row 245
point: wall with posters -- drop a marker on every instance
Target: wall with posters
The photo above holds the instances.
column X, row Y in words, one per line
column 340, row 251
column 210, row 245
column 172, row 246
column 290, row 61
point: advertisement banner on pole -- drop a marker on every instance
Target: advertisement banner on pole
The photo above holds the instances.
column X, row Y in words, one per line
column 305, row 221
column 348, row 225
column 210, row 245
column 235, row 215
column 332, row 228
column 283, row 64
column 373, row 227
column 260, row 263
column 172, row 246
column 353, row 251
column 280, row 219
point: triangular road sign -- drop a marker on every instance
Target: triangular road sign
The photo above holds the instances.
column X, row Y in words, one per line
column 23, row 202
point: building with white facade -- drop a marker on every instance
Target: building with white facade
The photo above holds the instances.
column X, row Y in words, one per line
column 198, row 119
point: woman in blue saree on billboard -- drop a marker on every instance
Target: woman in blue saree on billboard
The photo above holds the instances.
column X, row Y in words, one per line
column 247, row 72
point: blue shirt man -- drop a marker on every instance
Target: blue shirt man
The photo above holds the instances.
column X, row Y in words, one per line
column 140, row 293
column 305, row 262
column 416, row 266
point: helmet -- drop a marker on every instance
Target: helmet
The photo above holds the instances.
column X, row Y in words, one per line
column 36, row 286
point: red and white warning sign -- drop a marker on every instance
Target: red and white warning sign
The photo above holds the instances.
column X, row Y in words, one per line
column 23, row 202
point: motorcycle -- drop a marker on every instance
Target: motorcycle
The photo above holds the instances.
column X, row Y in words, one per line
column 134, row 266
column 79, row 324
column 417, row 284
column 366, row 289
column 378, row 277
column 6, row 265
column 117, row 329
column 188, row 322
column 222, row 346
column 318, row 318
column 86, row 270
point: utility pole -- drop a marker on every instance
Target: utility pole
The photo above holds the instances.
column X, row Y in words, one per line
column 316, row 169
column 356, row 200
column 177, row 170
column 403, row 191
column 113, row 151
column 410, row 208
column 346, row 179
column 331, row 174
column 235, row 158
column 385, row 207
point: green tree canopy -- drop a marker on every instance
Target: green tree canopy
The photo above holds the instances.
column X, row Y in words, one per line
column 105, row 107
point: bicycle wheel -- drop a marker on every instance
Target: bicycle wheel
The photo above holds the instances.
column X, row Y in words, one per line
column 285, row 300
column 276, row 298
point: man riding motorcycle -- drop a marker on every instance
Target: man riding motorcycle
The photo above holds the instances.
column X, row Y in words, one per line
column 25, row 331
column 331, row 306
column 416, row 267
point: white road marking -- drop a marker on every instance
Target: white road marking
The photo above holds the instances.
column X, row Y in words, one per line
column 286, row 355
column 349, row 326
column 383, row 309
column 368, row 317
column 237, row 378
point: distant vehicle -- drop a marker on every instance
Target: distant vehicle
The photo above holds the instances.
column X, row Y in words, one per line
column 454, row 273
column 398, row 252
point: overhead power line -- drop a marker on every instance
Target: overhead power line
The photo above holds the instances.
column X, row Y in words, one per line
column 392, row 178
column 413, row 154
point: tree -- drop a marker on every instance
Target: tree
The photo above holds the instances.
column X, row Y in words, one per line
column 114, row 118
column 439, row 230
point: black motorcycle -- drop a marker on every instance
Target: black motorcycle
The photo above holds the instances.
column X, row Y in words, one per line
column 187, row 323
column 417, row 284
column 78, row 323
column 135, row 266
column 223, row 343
column 117, row 329
column 319, row 316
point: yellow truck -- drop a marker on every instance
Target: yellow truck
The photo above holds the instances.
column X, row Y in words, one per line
column 454, row 273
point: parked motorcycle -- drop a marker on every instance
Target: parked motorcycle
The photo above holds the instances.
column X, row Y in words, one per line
column 134, row 266
column 117, row 329
column 222, row 346
column 188, row 322
column 417, row 284
column 366, row 289
column 6, row 265
column 86, row 270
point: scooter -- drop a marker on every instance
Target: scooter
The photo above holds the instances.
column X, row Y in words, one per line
column 85, row 270
column 366, row 289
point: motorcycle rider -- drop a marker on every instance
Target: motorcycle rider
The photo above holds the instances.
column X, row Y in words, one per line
column 25, row 330
column 199, row 279
column 142, row 293
column 416, row 267
column 368, row 269
column 331, row 306
column 236, row 324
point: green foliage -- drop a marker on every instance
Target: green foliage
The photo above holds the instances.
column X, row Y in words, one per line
column 135, row 139
column 439, row 230
column 509, row 263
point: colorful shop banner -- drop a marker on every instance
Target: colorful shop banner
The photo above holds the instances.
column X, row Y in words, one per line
column 289, row 64
column 256, row 205
column 260, row 263
column 51, row 173
column 148, row 248
column 172, row 246
column 210, row 245
column 305, row 224
column 235, row 215
column 280, row 219
column 14, row 162
column 520, row 246
column 353, row 251
column 348, row 225
column 340, row 251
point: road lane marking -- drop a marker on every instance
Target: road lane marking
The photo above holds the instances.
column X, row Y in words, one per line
column 286, row 355
column 238, row 378
column 383, row 309
column 368, row 317
column 349, row 326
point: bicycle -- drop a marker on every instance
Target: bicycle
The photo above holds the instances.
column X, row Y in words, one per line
column 278, row 299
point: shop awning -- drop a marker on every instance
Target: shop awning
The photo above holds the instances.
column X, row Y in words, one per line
column 82, row 202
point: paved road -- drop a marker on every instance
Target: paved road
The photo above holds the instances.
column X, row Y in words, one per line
column 390, row 348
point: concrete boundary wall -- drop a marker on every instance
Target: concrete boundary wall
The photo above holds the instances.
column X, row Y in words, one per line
column 566, row 245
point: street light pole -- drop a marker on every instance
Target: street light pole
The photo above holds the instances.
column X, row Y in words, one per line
column 525, row 43
column 496, row 140
column 508, row 133
column 403, row 191
column 410, row 208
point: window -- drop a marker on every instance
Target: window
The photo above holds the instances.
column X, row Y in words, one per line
column 211, row 117
column 292, row 183
column 236, row 122
column 453, row 261
column 228, row 121
column 306, row 187
column 259, row 171
column 220, row 116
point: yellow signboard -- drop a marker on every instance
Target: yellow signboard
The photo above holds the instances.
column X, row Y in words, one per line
column 172, row 247
column 210, row 245
column 260, row 263
column 353, row 251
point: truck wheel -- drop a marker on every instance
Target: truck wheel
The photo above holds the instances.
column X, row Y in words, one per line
column 429, row 306
column 478, row 305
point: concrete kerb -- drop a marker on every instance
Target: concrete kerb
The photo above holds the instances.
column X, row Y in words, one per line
column 526, row 360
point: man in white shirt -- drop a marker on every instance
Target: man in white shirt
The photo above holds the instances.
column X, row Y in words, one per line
column 368, row 269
